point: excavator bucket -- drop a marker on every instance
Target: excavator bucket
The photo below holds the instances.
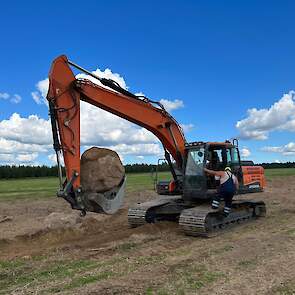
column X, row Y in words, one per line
column 102, row 180
column 108, row 202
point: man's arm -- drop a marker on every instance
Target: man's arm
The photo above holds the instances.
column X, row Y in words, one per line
column 212, row 172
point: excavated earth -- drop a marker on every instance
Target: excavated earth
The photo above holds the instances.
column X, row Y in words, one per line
column 254, row 258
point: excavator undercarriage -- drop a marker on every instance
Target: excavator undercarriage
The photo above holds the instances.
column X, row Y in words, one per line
column 200, row 220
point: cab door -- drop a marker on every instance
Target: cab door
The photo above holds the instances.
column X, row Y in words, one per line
column 234, row 162
column 194, row 186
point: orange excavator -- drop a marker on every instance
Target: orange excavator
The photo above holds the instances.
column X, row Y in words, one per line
column 186, row 198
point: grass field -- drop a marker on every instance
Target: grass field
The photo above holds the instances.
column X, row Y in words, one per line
column 105, row 256
column 47, row 186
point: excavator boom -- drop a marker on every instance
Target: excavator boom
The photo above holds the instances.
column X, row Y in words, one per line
column 64, row 95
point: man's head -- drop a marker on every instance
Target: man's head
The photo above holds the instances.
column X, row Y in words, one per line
column 227, row 169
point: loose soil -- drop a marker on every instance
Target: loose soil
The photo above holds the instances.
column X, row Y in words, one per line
column 254, row 258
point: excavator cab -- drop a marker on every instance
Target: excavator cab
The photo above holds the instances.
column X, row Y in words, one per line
column 216, row 156
column 195, row 184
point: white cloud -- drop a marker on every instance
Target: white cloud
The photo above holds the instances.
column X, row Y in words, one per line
column 11, row 146
column 52, row 158
column 285, row 150
column 7, row 159
column 149, row 149
column 99, row 127
column 27, row 158
column 14, row 158
column 245, row 153
column 187, row 127
column 170, row 105
column 14, row 152
column 42, row 87
column 39, row 96
column 31, row 130
column 259, row 123
column 16, row 99
column 4, row 95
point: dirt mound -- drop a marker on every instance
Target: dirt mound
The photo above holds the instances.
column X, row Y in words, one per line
column 101, row 170
column 57, row 220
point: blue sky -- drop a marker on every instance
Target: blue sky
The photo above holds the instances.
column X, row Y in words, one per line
column 220, row 58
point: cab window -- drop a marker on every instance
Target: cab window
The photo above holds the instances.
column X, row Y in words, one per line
column 235, row 156
column 232, row 156
column 228, row 157
column 195, row 162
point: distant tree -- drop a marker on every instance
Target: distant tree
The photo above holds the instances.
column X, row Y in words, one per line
column 7, row 172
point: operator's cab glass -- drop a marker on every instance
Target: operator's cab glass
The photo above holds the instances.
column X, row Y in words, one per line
column 232, row 157
column 195, row 162
column 219, row 157
column 194, row 180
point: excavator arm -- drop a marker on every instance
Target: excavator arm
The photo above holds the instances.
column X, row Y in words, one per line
column 64, row 95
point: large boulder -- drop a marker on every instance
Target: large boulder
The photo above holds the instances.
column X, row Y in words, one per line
column 101, row 170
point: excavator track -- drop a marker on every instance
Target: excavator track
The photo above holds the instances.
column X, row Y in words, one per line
column 204, row 221
column 136, row 216
column 152, row 211
column 201, row 220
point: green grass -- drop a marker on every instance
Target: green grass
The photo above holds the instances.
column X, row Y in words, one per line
column 35, row 188
column 28, row 188
column 279, row 172
column 18, row 273
column 187, row 278
column 247, row 263
column 144, row 181
column 85, row 280
column 63, row 274
column 126, row 246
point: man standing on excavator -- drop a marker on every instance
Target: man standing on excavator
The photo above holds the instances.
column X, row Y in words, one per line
column 229, row 184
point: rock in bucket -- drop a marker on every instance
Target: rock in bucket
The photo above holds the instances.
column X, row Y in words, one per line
column 101, row 170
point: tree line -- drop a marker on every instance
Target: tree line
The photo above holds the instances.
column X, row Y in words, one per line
column 7, row 172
